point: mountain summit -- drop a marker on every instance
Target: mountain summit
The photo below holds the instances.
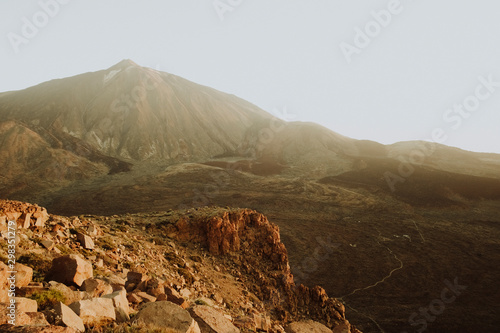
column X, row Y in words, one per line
column 136, row 113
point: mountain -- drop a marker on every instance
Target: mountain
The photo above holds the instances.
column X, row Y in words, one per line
column 402, row 218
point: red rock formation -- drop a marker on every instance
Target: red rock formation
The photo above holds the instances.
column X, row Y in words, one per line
column 265, row 257
column 26, row 215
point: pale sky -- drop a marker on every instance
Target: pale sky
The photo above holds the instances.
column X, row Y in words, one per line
column 386, row 71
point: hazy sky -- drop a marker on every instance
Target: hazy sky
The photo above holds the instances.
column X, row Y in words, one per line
column 381, row 70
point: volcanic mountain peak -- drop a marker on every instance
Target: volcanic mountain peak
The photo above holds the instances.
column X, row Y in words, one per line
column 135, row 113
column 126, row 63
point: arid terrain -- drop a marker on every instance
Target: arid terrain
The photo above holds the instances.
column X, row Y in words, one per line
column 383, row 235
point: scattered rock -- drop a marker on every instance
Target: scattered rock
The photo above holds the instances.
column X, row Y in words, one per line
column 177, row 300
column 48, row 244
column 134, row 298
column 4, row 282
column 96, row 287
column 116, row 282
column 23, row 276
column 135, row 277
column 245, row 323
column 27, row 329
column 85, row 240
column 68, row 318
column 307, row 326
column 120, row 302
column 95, row 311
column 145, row 296
column 166, row 315
column 70, row 269
column 212, row 321
column 25, row 305
column 3, row 223
column 31, row 319
column 24, row 221
column 262, row 322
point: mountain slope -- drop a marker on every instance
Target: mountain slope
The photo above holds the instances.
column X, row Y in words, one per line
column 134, row 113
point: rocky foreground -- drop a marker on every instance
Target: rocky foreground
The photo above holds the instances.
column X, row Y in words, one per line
column 201, row 270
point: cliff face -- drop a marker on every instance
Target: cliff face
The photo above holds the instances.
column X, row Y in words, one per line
column 231, row 259
column 253, row 245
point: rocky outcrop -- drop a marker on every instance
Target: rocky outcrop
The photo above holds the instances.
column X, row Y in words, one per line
column 250, row 234
column 205, row 270
column 245, row 230
column 26, row 215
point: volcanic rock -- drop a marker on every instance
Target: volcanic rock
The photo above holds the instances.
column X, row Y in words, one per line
column 307, row 326
column 70, row 269
column 211, row 320
column 95, row 311
column 67, row 317
column 166, row 315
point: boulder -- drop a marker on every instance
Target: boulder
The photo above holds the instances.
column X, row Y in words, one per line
column 31, row 319
column 24, row 221
column 3, row 223
column 120, row 302
column 25, row 305
column 27, row 329
column 96, row 287
column 178, row 300
column 307, row 326
column 245, row 323
column 145, row 296
column 68, row 317
column 212, row 321
column 48, row 244
column 4, row 283
column 85, row 240
column 6, row 314
column 135, row 277
column 344, row 327
column 116, row 282
column 166, row 315
column 23, row 276
column 134, row 299
column 262, row 322
column 70, row 269
column 95, row 311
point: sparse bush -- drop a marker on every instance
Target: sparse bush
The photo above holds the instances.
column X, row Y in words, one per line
column 40, row 265
column 187, row 275
column 200, row 302
column 48, row 298
column 128, row 328
column 107, row 243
